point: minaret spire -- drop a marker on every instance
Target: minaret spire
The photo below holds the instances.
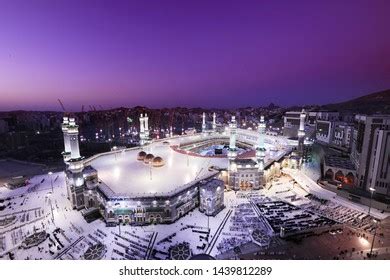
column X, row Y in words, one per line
column 65, row 125
column 204, row 123
column 233, row 135
column 301, row 132
column 260, row 150
column 214, row 122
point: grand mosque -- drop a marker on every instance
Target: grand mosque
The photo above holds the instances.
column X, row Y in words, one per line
column 162, row 180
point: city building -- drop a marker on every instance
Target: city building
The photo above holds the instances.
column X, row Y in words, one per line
column 211, row 197
column 324, row 131
column 291, row 121
column 3, row 126
column 342, row 135
column 371, row 153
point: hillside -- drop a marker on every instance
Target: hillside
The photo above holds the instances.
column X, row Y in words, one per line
column 375, row 103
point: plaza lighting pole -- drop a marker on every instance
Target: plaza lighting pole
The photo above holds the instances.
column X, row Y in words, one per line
column 188, row 159
column 52, row 213
column 373, row 239
column 51, row 208
column 51, row 181
column 372, row 190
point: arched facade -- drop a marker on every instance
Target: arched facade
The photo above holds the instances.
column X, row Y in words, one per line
column 329, row 174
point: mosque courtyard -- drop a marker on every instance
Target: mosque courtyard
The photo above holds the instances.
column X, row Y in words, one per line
column 37, row 223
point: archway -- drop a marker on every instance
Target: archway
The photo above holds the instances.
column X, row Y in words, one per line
column 245, row 185
column 349, row 179
column 329, row 174
column 339, row 176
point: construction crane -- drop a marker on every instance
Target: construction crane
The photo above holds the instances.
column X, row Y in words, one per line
column 63, row 107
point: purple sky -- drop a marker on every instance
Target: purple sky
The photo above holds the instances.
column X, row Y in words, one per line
column 191, row 53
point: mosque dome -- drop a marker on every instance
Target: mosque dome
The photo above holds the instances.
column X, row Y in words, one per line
column 158, row 162
column 141, row 156
column 148, row 158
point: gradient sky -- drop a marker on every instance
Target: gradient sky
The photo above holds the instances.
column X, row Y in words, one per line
column 191, row 53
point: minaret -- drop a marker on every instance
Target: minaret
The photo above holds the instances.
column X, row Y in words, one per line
column 204, row 123
column 146, row 126
column 233, row 134
column 260, row 150
column 214, row 122
column 75, row 167
column 301, row 133
column 142, row 129
column 73, row 134
column 66, row 152
column 232, row 153
column 141, row 123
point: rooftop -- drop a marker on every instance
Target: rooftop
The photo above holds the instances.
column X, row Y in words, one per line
column 339, row 162
column 124, row 174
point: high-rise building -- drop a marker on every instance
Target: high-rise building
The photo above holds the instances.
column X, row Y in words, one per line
column 291, row 121
column 342, row 135
column 371, row 153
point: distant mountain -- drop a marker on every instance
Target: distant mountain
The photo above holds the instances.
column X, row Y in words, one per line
column 374, row 103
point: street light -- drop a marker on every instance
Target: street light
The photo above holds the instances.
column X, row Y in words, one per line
column 115, row 149
column 51, row 181
column 51, row 208
column 372, row 190
column 373, row 239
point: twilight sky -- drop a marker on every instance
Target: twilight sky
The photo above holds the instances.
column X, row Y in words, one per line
column 191, row 53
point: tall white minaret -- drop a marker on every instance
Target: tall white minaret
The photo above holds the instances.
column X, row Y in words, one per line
column 232, row 153
column 233, row 135
column 75, row 166
column 204, row 123
column 142, row 129
column 260, row 147
column 260, row 151
column 146, row 124
column 141, row 124
column 66, row 153
column 301, row 132
column 73, row 133
column 214, row 122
